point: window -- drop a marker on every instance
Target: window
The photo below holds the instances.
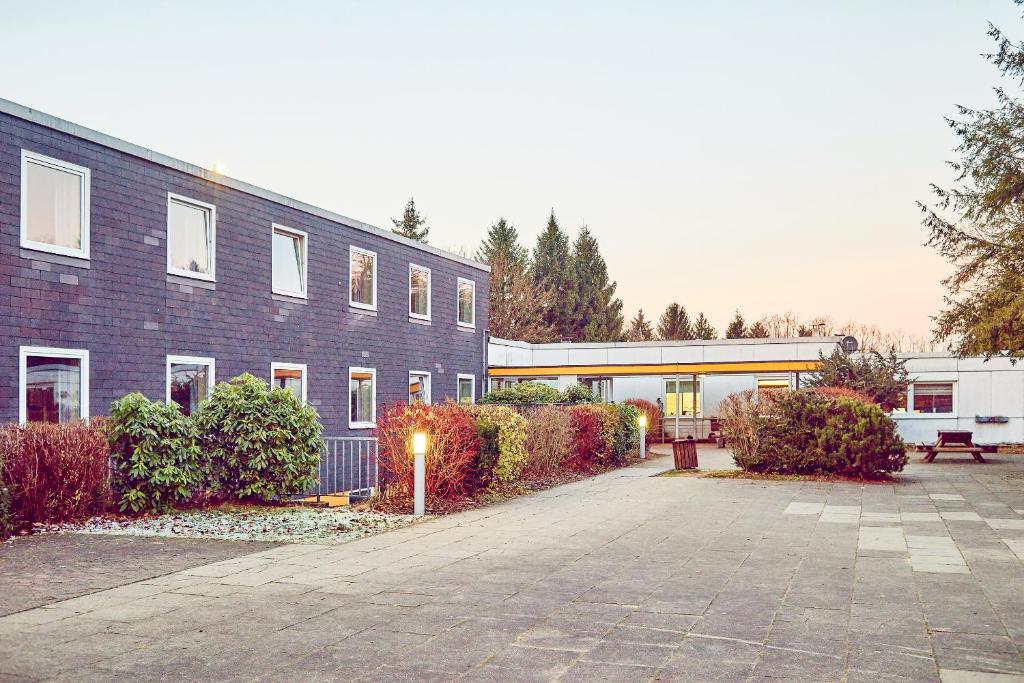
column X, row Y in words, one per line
column 363, row 274
column 681, row 395
column 600, row 387
column 289, row 376
column 419, row 292
column 933, row 397
column 289, row 262
column 499, row 383
column 467, row 303
column 419, row 387
column 189, row 381
column 467, row 389
column 362, row 407
column 772, row 383
column 54, row 384
column 191, row 237
column 54, row 205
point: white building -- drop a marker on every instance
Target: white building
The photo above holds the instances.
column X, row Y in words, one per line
column 690, row 378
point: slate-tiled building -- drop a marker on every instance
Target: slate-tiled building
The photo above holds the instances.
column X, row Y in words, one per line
column 122, row 269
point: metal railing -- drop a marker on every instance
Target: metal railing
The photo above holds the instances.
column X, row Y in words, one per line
column 348, row 464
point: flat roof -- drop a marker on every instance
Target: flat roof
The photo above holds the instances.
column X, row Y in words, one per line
column 35, row 116
column 830, row 339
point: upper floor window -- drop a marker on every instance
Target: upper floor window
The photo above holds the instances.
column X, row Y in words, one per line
column 933, row 397
column 54, row 384
column 189, row 381
column 191, row 237
column 362, row 278
column 467, row 303
column 419, row 292
column 54, row 205
column 289, row 261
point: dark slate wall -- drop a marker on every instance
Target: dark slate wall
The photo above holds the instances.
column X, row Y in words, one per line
column 125, row 309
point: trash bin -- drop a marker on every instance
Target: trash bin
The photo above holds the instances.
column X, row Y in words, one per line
column 684, row 452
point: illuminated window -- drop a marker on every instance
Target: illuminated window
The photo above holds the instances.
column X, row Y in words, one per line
column 467, row 303
column 191, row 237
column 54, row 205
column 772, row 383
column 467, row 389
column 54, row 384
column 289, row 376
column 362, row 278
column 289, row 262
column 682, row 394
column 362, row 407
column 419, row 292
column 189, row 381
column 419, row 387
column 932, row 398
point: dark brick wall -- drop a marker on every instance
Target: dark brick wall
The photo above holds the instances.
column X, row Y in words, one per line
column 125, row 312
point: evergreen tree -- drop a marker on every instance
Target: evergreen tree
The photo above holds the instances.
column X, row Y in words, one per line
column 674, row 323
column 702, row 329
column 503, row 239
column 597, row 314
column 758, row 331
column 884, row 378
column 552, row 272
column 640, row 328
column 412, row 224
column 737, row 328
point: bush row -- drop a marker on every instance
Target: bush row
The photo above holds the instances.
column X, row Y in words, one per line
column 531, row 393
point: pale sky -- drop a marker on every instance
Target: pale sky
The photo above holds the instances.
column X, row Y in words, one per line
column 760, row 155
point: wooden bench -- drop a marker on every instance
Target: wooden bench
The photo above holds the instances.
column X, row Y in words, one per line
column 953, row 441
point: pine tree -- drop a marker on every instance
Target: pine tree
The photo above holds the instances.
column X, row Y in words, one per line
column 597, row 314
column 737, row 328
column 552, row 272
column 412, row 224
column 640, row 328
column 758, row 331
column 503, row 239
column 702, row 329
column 674, row 323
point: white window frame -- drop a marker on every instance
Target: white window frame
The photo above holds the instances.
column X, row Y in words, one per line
column 190, row 360
column 292, row 232
column 430, row 383
column 212, row 248
column 85, row 178
column 301, row 367
column 911, row 412
column 352, row 250
column 472, row 324
column 430, row 288
column 364, row 424
column 25, row 351
column 472, row 383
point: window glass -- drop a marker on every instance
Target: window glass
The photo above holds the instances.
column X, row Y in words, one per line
column 684, row 399
column 289, row 263
column 466, row 303
column 361, row 396
column 290, row 379
column 466, row 390
column 190, row 237
column 190, row 385
column 54, row 206
column 419, row 387
column 363, row 267
column 772, row 383
column 600, row 387
column 933, row 398
column 53, row 389
column 419, row 292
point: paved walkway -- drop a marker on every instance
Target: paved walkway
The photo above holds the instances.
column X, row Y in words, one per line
column 623, row 577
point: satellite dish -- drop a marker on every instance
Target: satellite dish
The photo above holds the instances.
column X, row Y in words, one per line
column 849, row 344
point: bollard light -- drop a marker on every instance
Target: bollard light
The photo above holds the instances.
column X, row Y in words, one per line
column 419, row 455
column 643, row 436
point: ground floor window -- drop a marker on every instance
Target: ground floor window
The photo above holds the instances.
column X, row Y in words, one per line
column 546, row 381
column 189, row 381
column 681, row 398
column 290, row 376
column 362, row 389
column 600, row 387
column 419, row 387
column 932, row 397
column 772, row 383
column 54, row 384
column 499, row 383
column 467, row 389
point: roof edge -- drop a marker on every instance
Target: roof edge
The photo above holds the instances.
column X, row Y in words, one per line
column 834, row 339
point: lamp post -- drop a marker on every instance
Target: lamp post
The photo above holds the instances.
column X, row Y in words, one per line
column 643, row 435
column 419, row 454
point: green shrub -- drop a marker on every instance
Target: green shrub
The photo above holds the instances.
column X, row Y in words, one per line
column 153, row 453
column 502, row 433
column 549, row 435
column 260, row 443
column 522, row 394
column 577, row 393
column 627, row 431
column 806, row 432
column 653, row 413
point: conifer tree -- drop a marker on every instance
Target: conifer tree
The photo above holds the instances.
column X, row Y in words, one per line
column 503, row 239
column 737, row 327
column 411, row 224
column 675, row 323
column 552, row 272
column 597, row 314
column 702, row 329
column 758, row 331
column 640, row 328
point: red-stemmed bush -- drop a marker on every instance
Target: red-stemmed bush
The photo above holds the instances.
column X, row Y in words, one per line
column 451, row 452
column 653, row 413
column 589, row 441
column 55, row 472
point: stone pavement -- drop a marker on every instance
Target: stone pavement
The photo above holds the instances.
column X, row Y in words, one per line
column 621, row 577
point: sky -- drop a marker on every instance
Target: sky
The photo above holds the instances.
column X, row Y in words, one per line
column 751, row 155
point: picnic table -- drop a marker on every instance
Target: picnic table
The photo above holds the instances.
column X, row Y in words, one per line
column 953, row 441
